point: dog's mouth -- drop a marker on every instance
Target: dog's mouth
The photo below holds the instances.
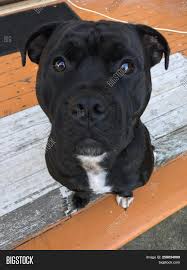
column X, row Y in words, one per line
column 89, row 147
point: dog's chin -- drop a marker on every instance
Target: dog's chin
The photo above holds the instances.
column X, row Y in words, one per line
column 89, row 147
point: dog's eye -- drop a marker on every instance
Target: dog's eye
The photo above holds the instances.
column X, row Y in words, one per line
column 59, row 64
column 127, row 67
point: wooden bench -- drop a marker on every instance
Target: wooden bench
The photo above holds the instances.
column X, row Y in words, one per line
column 31, row 202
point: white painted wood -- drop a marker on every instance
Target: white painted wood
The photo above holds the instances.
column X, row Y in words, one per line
column 168, row 123
column 171, row 145
column 177, row 60
column 32, row 218
column 14, row 144
column 22, row 120
column 176, row 75
column 17, row 7
column 165, row 103
column 24, row 178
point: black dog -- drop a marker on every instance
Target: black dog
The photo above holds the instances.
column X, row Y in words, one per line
column 94, row 84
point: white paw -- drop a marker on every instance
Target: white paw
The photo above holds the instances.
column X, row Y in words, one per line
column 124, row 201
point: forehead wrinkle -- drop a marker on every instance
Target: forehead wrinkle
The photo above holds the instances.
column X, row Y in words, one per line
column 86, row 41
column 86, row 36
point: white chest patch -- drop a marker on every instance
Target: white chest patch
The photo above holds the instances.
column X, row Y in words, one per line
column 96, row 174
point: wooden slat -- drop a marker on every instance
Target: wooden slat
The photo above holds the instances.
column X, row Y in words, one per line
column 17, row 85
column 25, row 5
column 5, row 2
column 13, row 231
column 17, row 103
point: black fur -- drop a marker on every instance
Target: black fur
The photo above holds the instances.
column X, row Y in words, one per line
column 93, row 52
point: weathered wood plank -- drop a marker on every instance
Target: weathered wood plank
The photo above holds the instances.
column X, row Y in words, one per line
column 25, row 191
column 24, row 140
column 6, row 2
column 24, row 5
column 170, row 146
column 177, row 74
column 165, row 103
column 32, row 218
column 22, row 120
column 168, row 123
column 177, row 62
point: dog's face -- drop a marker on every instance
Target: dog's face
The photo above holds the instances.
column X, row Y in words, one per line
column 94, row 81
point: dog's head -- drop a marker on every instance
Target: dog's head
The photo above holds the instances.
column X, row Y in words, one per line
column 94, row 81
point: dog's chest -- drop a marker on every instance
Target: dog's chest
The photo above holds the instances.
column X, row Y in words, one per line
column 96, row 174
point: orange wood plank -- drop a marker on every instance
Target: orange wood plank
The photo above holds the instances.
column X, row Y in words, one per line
column 14, row 79
column 184, row 51
column 17, row 104
column 17, row 84
column 165, row 193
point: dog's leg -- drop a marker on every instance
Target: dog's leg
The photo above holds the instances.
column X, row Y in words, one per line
column 81, row 199
column 125, row 201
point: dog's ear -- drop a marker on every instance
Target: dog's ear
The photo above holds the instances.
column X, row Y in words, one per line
column 37, row 42
column 155, row 44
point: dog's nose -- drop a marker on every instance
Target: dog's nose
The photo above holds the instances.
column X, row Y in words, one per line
column 88, row 108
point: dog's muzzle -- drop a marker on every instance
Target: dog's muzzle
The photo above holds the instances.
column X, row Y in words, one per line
column 89, row 147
